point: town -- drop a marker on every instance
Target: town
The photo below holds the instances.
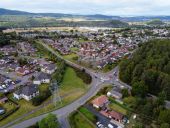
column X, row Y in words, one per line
column 33, row 66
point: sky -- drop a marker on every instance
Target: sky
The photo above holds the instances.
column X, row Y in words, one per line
column 107, row 7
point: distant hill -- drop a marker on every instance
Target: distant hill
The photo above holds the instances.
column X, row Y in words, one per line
column 13, row 12
column 90, row 17
column 156, row 22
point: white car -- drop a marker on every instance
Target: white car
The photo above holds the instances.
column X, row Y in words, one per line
column 110, row 126
column 97, row 123
column 3, row 86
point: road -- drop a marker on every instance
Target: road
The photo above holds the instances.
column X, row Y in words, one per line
column 99, row 80
column 63, row 113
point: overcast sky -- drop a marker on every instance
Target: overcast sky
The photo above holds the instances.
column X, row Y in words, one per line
column 108, row 7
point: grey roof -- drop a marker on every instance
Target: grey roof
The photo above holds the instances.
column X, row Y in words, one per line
column 42, row 76
column 51, row 66
column 27, row 90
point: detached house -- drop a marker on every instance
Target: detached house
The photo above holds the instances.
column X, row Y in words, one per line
column 100, row 101
column 49, row 68
column 42, row 78
column 27, row 92
column 22, row 71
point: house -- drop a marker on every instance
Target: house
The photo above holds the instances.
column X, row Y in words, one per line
column 100, row 101
column 27, row 92
column 42, row 78
column 116, row 116
column 113, row 115
column 49, row 68
column 22, row 71
column 3, row 100
column 116, row 93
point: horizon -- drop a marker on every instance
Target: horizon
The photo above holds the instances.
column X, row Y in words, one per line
column 127, row 8
column 85, row 14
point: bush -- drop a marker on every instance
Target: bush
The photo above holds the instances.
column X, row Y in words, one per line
column 41, row 98
column 83, row 75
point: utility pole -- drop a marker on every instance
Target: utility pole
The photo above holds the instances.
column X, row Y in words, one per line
column 55, row 92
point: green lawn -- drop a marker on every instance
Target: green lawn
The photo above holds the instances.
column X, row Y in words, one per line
column 118, row 108
column 24, row 108
column 70, row 83
column 88, row 114
column 70, row 57
column 78, row 121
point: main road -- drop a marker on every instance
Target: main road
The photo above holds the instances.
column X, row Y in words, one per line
column 62, row 113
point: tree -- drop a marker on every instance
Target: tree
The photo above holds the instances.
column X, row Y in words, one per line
column 139, row 89
column 164, row 116
column 161, row 99
column 50, row 121
column 125, row 92
column 165, row 125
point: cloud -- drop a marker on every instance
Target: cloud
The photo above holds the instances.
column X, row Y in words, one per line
column 109, row 7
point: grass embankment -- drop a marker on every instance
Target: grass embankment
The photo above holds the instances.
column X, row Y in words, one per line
column 82, row 118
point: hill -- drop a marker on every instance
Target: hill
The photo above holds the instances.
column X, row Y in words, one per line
column 156, row 22
column 148, row 71
column 13, row 12
column 89, row 17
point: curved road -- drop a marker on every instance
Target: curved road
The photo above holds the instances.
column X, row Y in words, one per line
column 63, row 113
column 98, row 82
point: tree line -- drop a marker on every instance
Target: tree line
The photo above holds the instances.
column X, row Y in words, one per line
column 148, row 71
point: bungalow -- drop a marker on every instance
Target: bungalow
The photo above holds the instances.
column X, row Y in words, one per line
column 116, row 116
column 49, row 68
column 27, row 92
column 113, row 115
column 42, row 78
column 116, row 93
column 100, row 101
column 22, row 71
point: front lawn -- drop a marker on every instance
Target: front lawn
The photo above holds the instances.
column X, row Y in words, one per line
column 25, row 107
column 118, row 108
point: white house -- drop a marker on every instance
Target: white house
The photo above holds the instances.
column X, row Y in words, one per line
column 42, row 78
column 27, row 92
column 49, row 68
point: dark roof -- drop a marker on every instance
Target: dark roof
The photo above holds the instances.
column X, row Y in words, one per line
column 41, row 76
column 27, row 90
column 51, row 66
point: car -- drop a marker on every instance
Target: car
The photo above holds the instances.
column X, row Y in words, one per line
column 110, row 126
column 3, row 86
column 97, row 123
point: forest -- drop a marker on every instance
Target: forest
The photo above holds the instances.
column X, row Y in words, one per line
column 148, row 71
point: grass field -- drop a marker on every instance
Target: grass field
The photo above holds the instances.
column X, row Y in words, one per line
column 70, row 57
column 71, row 83
column 78, row 121
column 88, row 114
